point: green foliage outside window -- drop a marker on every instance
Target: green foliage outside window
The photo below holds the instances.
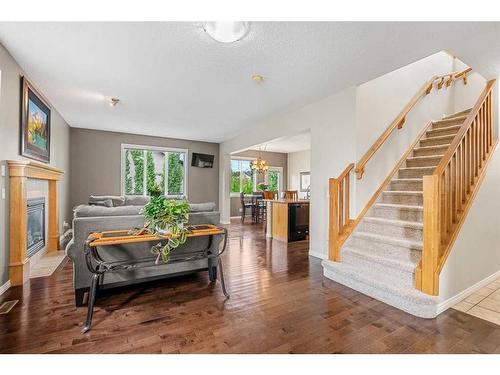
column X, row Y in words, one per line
column 175, row 173
column 134, row 176
column 242, row 177
column 273, row 180
column 172, row 164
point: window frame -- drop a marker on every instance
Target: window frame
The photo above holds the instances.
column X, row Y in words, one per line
column 128, row 146
column 254, row 175
column 280, row 181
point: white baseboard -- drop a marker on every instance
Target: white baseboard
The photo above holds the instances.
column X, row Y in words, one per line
column 445, row 305
column 317, row 254
column 4, row 287
column 225, row 222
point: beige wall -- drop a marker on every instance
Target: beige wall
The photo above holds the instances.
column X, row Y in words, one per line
column 96, row 160
column 273, row 159
column 298, row 162
column 9, row 148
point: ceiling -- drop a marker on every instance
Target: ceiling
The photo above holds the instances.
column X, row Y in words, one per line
column 173, row 80
column 295, row 143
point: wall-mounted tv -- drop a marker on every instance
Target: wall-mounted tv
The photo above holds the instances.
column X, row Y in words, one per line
column 202, row 160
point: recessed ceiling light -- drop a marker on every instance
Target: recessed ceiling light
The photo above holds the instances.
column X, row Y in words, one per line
column 226, row 32
column 114, row 101
column 258, row 78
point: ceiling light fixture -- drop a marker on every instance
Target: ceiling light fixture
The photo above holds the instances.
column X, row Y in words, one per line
column 226, row 32
column 259, row 165
column 258, row 78
column 114, row 101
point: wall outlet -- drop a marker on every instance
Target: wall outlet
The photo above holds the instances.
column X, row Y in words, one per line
column 3, row 170
column 3, row 193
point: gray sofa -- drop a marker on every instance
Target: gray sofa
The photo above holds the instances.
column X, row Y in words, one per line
column 92, row 218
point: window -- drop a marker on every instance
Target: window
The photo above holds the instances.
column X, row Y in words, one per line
column 274, row 179
column 147, row 170
column 243, row 179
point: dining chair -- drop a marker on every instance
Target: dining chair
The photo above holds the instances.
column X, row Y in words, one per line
column 244, row 205
column 270, row 194
column 291, row 194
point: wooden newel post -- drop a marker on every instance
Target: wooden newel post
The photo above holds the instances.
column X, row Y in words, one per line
column 432, row 239
column 333, row 231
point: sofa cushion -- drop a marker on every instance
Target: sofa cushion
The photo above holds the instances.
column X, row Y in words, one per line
column 98, row 211
column 103, row 203
column 136, row 200
column 202, row 207
column 117, row 200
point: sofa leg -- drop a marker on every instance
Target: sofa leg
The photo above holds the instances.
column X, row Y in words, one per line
column 212, row 273
column 80, row 296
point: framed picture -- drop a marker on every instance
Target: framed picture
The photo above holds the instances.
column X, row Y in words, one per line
column 35, row 123
column 305, row 181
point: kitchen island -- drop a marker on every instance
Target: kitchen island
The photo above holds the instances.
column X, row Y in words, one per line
column 287, row 220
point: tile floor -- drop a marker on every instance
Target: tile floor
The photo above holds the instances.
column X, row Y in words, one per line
column 47, row 264
column 484, row 303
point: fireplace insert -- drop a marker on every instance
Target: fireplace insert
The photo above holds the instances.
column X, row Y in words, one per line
column 35, row 226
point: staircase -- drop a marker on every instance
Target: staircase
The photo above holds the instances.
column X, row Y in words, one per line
column 380, row 256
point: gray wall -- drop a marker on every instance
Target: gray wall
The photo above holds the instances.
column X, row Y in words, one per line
column 96, row 160
column 9, row 148
column 273, row 159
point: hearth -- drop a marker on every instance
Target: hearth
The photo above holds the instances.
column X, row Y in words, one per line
column 35, row 226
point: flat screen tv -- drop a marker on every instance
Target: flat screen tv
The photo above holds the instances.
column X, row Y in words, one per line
column 202, row 160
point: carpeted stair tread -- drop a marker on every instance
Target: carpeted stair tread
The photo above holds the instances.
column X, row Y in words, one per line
column 458, row 114
column 397, row 223
column 431, row 150
column 450, row 120
column 406, row 265
column 414, row 245
column 425, row 157
column 439, row 137
column 404, row 298
column 400, row 206
column 403, row 192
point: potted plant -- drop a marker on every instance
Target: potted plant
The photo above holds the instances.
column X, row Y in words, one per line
column 155, row 190
column 262, row 186
column 166, row 218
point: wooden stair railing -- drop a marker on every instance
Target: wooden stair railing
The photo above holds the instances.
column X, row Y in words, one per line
column 340, row 222
column 337, row 238
column 444, row 80
column 450, row 190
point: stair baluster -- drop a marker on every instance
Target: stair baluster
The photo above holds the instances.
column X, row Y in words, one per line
column 450, row 190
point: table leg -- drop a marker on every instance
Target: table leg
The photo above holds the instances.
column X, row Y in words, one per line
column 92, row 294
column 222, row 281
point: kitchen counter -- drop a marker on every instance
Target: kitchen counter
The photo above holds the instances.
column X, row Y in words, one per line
column 281, row 220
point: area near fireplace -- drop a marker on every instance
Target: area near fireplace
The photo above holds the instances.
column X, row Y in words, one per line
column 21, row 245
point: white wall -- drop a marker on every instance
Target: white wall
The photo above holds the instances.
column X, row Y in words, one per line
column 476, row 252
column 298, row 162
column 331, row 122
column 379, row 101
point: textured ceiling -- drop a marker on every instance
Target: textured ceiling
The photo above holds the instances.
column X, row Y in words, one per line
column 175, row 81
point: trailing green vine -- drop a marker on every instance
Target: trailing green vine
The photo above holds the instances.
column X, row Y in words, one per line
column 166, row 218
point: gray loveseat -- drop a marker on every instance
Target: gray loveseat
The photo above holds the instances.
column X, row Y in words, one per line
column 91, row 218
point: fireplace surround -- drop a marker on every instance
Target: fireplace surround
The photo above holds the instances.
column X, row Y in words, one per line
column 19, row 173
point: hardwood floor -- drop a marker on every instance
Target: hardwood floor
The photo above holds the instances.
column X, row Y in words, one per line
column 280, row 303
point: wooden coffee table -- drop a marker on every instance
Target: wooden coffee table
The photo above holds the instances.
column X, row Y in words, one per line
column 98, row 267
